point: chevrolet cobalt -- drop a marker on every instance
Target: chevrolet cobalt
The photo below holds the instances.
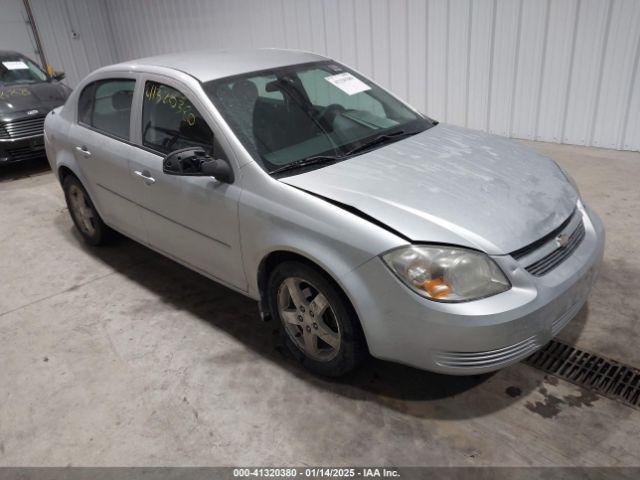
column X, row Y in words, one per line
column 359, row 224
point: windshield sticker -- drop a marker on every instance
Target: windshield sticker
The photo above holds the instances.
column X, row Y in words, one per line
column 348, row 83
column 177, row 103
column 14, row 92
column 17, row 65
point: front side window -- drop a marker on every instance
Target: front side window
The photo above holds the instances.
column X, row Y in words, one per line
column 171, row 122
column 288, row 115
column 20, row 70
column 106, row 106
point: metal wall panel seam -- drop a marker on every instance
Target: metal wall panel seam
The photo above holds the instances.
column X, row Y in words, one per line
column 407, row 70
column 470, row 31
column 426, row 56
column 542, row 70
column 324, row 29
column 388, row 32
column 605, row 43
column 516, row 63
column 570, row 75
column 446, row 62
column 634, row 74
column 493, row 43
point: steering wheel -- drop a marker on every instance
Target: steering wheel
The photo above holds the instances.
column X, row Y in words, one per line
column 329, row 114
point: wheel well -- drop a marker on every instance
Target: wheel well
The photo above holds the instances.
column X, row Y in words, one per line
column 272, row 260
column 64, row 172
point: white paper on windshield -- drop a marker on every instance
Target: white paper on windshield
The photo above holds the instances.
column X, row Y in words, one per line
column 348, row 83
column 17, row 65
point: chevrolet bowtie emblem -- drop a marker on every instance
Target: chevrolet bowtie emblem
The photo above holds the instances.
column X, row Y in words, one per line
column 562, row 240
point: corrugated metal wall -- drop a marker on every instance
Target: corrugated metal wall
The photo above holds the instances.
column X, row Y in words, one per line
column 552, row 70
column 15, row 33
column 75, row 35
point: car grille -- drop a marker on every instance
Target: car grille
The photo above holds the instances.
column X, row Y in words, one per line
column 23, row 153
column 489, row 358
column 540, row 266
column 559, row 255
column 25, row 127
column 523, row 252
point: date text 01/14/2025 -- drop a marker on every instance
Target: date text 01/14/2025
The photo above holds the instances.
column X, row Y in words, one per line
column 316, row 472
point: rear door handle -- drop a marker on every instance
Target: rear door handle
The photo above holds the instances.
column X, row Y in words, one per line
column 84, row 151
column 146, row 176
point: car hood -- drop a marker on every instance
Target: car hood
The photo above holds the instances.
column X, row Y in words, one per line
column 452, row 185
column 43, row 96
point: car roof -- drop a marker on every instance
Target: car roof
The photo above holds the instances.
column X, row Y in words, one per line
column 10, row 54
column 207, row 65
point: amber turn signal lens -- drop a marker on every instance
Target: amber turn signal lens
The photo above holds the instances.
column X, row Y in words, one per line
column 437, row 288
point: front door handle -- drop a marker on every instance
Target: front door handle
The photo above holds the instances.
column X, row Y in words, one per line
column 84, row 151
column 146, row 176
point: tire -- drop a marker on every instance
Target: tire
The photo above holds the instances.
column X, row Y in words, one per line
column 83, row 213
column 319, row 326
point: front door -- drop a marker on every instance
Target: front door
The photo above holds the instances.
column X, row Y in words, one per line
column 193, row 219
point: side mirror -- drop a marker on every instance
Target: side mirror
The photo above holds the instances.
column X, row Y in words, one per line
column 220, row 169
column 58, row 76
column 195, row 162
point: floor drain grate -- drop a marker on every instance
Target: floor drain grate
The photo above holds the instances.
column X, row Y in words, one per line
column 590, row 371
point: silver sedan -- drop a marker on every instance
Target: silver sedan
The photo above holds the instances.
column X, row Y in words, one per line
column 361, row 225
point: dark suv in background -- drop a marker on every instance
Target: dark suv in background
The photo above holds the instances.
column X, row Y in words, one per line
column 27, row 94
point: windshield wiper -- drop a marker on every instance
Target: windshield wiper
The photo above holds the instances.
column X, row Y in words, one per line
column 380, row 139
column 329, row 159
column 306, row 162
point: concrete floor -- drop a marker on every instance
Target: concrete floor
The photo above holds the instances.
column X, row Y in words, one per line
column 118, row 356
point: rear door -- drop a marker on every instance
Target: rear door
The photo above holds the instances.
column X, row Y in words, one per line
column 193, row 219
column 101, row 145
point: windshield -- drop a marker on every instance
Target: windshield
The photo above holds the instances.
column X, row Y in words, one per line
column 20, row 70
column 287, row 115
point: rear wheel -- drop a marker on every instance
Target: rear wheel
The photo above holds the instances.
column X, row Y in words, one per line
column 319, row 326
column 83, row 213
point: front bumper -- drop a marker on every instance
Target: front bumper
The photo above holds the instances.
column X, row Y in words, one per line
column 479, row 336
column 19, row 149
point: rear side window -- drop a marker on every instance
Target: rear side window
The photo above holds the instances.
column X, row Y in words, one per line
column 171, row 122
column 106, row 106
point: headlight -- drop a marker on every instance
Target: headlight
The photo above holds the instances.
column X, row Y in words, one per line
column 447, row 274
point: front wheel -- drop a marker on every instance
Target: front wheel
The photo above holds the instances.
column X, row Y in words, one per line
column 319, row 326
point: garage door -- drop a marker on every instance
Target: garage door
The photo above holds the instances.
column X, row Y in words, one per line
column 15, row 32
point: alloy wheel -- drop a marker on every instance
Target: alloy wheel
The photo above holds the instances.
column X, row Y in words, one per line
column 82, row 211
column 308, row 319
